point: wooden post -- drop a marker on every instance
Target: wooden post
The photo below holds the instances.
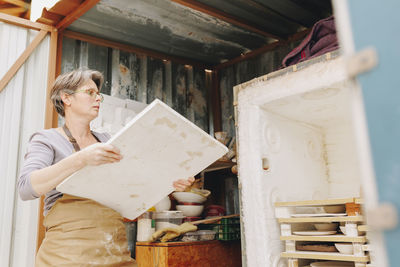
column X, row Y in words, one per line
column 50, row 114
column 216, row 102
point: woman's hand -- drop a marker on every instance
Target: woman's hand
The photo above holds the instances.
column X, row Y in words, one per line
column 99, row 153
column 181, row 184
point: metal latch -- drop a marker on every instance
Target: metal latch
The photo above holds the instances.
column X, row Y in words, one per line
column 362, row 61
column 383, row 217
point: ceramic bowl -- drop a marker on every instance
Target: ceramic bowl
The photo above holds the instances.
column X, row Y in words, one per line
column 164, row 204
column 335, row 209
column 190, row 210
column 188, row 197
column 326, row 226
column 344, row 248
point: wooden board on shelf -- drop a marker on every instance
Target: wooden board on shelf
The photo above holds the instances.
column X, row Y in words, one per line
column 321, row 219
column 328, row 238
column 322, row 202
column 219, row 165
column 324, row 256
column 363, row 228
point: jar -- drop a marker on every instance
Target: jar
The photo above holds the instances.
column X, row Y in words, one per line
column 145, row 226
column 168, row 218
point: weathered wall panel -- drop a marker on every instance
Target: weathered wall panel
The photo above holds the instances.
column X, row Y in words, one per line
column 143, row 78
column 22, row 109
column 242, row 72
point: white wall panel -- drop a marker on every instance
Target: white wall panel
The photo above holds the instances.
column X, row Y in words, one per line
column 22, row 108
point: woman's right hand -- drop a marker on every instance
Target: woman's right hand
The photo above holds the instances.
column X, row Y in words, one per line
column 100, row 153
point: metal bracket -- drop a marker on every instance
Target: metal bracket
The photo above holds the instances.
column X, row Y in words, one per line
column 383, row 217
column 362, row 61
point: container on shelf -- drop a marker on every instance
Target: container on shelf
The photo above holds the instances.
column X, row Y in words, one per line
column 201, row 235
column 145, row 226
column 170, row 218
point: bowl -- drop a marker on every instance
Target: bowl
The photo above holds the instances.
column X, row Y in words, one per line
column 335, row 209
column 343, row 229
column 344, row 248
column 325, row 226
column 190, row 210
column 188, row 197
column 163, row 204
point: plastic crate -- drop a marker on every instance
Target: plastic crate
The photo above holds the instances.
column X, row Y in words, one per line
column 227, row 229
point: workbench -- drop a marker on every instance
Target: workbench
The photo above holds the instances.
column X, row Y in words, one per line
column 189, row 254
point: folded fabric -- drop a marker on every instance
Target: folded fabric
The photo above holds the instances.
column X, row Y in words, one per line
column 320, row 40
column 169, row 233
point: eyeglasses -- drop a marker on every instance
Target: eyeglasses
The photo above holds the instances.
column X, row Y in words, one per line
column 92, row 93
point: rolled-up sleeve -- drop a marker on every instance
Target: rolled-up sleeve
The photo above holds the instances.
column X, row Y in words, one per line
column 39, row 155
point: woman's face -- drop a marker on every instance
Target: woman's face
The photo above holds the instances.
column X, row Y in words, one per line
column 85, row 102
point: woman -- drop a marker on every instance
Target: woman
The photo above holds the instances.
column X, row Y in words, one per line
column 79, row 231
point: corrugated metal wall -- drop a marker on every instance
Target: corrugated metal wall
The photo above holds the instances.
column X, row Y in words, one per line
column 143, row 78
column 22, row 109
column 243, row 72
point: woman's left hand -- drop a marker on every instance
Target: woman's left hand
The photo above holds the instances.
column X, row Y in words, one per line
column 181, row 184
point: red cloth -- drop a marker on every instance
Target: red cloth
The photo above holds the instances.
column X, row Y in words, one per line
column 320, row 40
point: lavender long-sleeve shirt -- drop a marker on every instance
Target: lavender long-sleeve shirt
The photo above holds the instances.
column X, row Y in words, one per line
column 45, row 148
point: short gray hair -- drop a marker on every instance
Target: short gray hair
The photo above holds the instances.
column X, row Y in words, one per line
column 69, row 83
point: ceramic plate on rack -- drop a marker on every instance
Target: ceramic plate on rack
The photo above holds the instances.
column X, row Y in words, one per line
column 319, row 215
column 331, row 264
column 314, row 232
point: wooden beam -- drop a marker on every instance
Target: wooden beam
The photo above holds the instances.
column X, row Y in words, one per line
column 226, row 17
column 216, row 102
column 24, row 23
column 82, row 9
column 19, row 3
column 51, row 78
column 261, row 50
column 15, row 11
column 49, row 119
column 21, row 59
column 131, row 49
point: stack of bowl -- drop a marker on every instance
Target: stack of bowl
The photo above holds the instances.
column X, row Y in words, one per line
column 189, row 203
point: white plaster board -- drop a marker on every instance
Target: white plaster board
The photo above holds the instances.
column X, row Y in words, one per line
column 159, row 146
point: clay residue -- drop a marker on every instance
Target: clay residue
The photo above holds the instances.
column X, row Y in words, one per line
column 133, row 195
column 184, row 164
column 166, row 121
column 183, row 135
column 194, row 154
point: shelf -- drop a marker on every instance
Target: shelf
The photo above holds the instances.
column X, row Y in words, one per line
column 337, row 201
column 219, row 165
column 363, row 228
column 321, row 219
column 326, row 238
column 324, row 256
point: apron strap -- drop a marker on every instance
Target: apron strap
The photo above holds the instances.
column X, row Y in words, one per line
column 73, row 140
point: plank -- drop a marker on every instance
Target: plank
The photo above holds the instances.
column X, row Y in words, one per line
column 159, row 146
column 322, row 219
column 327, row 238
column 336, row 201
column 324, row 256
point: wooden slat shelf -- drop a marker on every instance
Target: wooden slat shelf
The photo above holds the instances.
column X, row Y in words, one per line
column 321, row 219
column 326, row 238
column 363, row 228
column 324, row 256
column 337, row 201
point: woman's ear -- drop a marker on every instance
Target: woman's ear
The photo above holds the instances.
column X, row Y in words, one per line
column 66, row 98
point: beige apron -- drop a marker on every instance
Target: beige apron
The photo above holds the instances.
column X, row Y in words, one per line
column 82, row 232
